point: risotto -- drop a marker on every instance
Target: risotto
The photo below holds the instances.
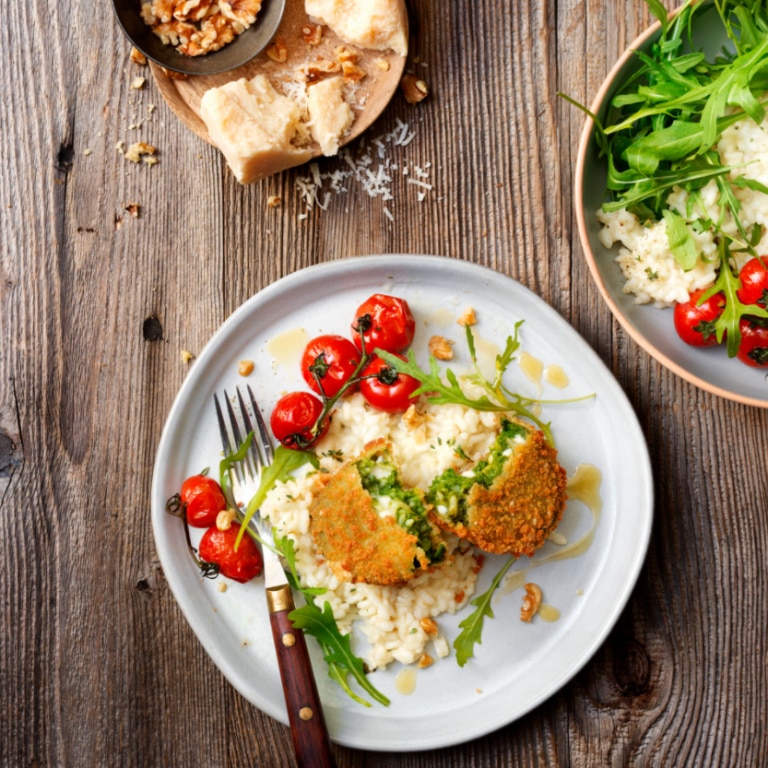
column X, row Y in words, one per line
column 647, row 264
column 396, row 621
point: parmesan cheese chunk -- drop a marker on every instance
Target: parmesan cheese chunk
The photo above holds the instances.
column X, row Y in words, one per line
column 376, row 24
column 259, row 131
column 329, row 114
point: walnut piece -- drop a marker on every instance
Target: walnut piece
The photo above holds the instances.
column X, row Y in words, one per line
column 273, row 201
column 312, row 33
column 414, row 89
column 224, row 519
column 278, row 51
column 136, row 151
column 441, row 348
column 468, row 318
column 425, row 661
column 429, row 626
column 531, row 601
column 352, row 73
column 137, row 57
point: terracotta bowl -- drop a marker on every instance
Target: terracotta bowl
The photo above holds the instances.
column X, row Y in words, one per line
column 652, row 328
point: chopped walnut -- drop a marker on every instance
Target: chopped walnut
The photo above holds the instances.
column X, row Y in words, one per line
column 313, row 34
column 429, row 625
column 414, row 418
column 224, row 519
column 414, row 89
column 138, row 83
column 318, row 70
column 197, row 27
column 531, row 601
column 441, row 348
column 137, row 57
column 344, row 54
column 278, row 51
column 191, row 10
column 425, row 661
column 468, row 318
column 273, row 201
column 242, row 11
column 136, row 151
column 245, row 367
column 352, row 73
column 215, row 32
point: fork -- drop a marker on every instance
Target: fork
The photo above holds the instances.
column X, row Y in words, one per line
column 311, row 742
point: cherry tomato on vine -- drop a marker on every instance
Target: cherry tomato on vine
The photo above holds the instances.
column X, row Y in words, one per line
column 386, row 322
column 218, row 547
column 203, row 499
column 753, row 348
column 754, row 282
column 386, row 389
column 331, row 360
column 293, row 418
column 695, row 323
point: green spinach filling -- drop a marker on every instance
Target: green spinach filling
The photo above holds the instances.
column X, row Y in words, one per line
column 448, row 491
column 380, row 478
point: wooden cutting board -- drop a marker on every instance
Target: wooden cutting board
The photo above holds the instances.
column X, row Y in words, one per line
column 383, row 69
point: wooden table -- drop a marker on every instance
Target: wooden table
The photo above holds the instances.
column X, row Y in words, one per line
column 97, row 665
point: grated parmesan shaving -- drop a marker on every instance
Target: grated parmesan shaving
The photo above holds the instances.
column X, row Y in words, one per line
column 372, row 171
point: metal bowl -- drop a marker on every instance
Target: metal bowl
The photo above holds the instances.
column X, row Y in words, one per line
column 242, row 49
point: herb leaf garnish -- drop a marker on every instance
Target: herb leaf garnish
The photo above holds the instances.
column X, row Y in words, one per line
column 472, row 626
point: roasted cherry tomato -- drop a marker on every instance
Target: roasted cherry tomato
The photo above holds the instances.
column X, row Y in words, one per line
column 328, row 362
column 203, row 499
column 695, row 323
column 294, row 417
column 754, row 282
column 218, row 547
column 753, row 348
column 386, row 389
column 386, row 322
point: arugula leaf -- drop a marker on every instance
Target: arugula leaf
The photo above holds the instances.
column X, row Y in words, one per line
column 442, row 391
column 321, row 624
column 681, row 241
column 472, row 626
column 284, row 463
column 337, row 649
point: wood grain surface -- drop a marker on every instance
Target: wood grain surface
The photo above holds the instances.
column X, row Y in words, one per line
column 98, row 667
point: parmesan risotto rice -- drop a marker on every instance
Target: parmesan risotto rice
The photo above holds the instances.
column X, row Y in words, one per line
column 424, row 443
column 649, row 269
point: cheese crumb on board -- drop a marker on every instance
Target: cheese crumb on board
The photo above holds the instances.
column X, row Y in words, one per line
column 329, row 114
column 258, row 130
column 377, row 24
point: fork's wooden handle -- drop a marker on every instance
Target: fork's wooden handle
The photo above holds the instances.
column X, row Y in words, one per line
column 305, row 713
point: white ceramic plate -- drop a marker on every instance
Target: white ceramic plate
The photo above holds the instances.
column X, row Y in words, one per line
column 518, row 665
column 652, row 328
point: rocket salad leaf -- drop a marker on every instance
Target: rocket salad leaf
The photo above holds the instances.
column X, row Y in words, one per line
column 441, row 387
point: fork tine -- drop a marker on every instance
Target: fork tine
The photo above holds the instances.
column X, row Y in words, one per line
column 255, row 464
column 225, row 441
column 266, row 443
column 239, row 468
